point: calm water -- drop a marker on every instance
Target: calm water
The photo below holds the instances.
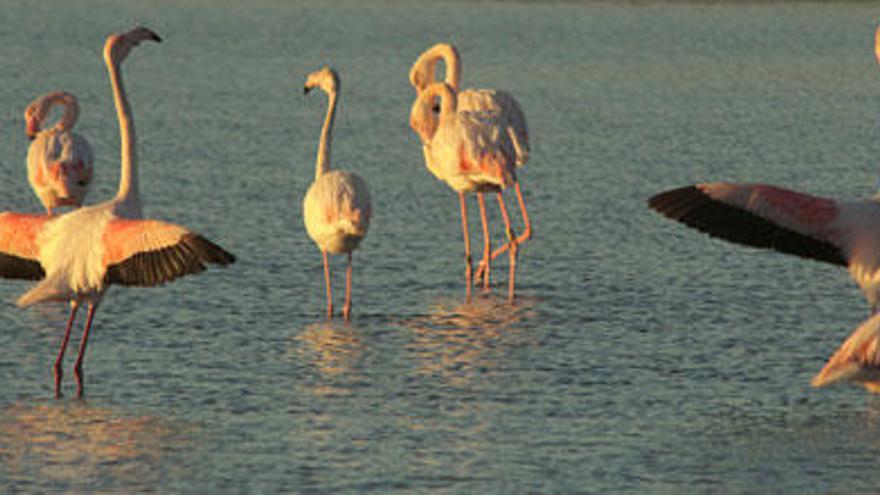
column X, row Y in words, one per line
column 640, row 357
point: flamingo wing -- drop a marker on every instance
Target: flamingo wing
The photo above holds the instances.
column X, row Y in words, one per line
column 503, row 106
column 857, row 359
column 19, row 251
column 761, row 216
column 146, row 253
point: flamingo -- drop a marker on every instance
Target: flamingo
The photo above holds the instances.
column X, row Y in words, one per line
column 59, row 161
column 465, row 150
column 844, row 233
column 79, row 254
column 336, row 209
column 857, row 360
column 506, row 116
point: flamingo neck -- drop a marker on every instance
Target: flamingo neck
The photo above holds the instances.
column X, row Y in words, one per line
column 322, row 165
column 128, row 176
column 71, row 113
column 451, row 60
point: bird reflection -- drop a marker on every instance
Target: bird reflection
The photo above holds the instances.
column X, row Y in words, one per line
column 454, row 340
column 72, row 443
column 335, row 350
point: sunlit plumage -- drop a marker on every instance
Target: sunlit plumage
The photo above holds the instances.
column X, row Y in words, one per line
column 336, row 208
column 503, row 121
column 59, row 161
column 857, row 360
column 79, row 254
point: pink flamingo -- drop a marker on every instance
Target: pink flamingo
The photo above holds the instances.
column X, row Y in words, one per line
column 465, row 150
column 59, row 161
column 506, row 117
column 81, row 253
column 842, row 233
column 336, row 209
column 857, row 360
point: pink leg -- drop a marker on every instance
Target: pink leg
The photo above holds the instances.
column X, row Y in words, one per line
column 77, row 367
column 467, row 247
column 327, row 282
column 346, row 310
column 527, row 233
column 56, row 370
column 511, row 239
column 483, row 267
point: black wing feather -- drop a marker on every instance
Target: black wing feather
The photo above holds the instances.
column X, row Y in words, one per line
column 691, row 206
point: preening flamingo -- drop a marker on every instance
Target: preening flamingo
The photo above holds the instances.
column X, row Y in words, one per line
column 59, row 161
column 845, row 233
column 506, row 117
column 81, row 253
column 336, row 209
column 857, row 360
column 465, row 150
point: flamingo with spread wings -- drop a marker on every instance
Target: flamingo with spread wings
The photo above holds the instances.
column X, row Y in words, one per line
column 464, row 150
column 505, row 117
column 59, row 161
column 336, row 209
column 843, row 233
column 79, row 254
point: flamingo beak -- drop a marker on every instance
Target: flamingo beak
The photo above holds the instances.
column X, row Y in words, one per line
column 306, row 90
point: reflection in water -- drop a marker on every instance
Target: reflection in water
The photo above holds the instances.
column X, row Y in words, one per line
column 333, row 349
column 454, row 338
column 70, row 444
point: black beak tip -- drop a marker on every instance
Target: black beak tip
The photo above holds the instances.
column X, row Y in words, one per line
column 306, row 90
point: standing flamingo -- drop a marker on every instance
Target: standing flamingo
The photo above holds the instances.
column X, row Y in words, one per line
column 506, row 117
column 59, row 161
column 81, row 253
column 336, row 208
column 857, row 360
column 465, row 150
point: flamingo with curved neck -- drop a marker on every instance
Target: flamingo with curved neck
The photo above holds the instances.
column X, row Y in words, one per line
column 465, row 150
column 507, row 118
column 59, row 161
column 79, row 254
column 336, row 208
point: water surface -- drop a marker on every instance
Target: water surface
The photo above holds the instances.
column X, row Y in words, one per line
column 640, row 356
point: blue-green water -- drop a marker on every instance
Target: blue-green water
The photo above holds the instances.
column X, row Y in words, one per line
column 641, row 356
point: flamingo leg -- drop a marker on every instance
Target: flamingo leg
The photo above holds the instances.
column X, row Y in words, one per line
column 511, row 241
column 527, row 233
column 327, row 282
column 346, row 310
column 467, row 247
column 487, row 244
column 77, row 367
column 56, row 369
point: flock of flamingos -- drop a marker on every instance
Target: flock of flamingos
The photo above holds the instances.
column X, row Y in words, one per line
column 473, row 140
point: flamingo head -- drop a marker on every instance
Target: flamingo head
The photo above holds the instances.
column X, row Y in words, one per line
column 117, row 46
column 422, row 117
column 324, row 78
column 35, row 114
column 31, row 124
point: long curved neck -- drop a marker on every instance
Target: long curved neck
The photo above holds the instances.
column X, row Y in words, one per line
column 322, row 164
column 128, row 174
column 71, row 113
column 425, row 68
